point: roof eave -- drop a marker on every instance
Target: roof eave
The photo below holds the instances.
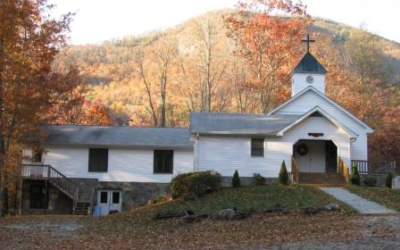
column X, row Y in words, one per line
column 234, row 133
column 101, row 145
column 311, row 88
column 326, row 115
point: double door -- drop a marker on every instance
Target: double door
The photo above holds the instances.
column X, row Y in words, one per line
column 109, row 201
column 310, row 156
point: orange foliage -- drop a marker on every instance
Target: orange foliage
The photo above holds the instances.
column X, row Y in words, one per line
column 268, row 34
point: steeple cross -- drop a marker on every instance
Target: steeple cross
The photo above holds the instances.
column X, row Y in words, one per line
column 308, row 41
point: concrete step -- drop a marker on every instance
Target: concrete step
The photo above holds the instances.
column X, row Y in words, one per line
column 324, row 185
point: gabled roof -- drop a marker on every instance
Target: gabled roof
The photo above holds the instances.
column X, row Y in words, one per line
column 308, row 64
column 311, row 88
column 238, row 124
column 118, row 136
column 323, row 113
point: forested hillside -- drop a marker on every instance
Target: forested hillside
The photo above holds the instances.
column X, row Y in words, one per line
column 214, row 63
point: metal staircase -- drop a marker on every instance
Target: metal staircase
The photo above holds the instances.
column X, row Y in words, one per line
column 82, row 205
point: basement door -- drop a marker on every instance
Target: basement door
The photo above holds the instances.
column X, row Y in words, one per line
column 109, row 201
column 310, row 156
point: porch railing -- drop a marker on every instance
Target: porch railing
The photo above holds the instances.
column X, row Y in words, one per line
column 55, row 177
column 375, row 167
column 295, row 171
column 344, row 170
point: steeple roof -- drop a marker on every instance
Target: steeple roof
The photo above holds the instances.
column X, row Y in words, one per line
column 309, row 65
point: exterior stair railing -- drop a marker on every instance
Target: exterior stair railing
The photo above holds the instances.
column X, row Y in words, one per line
column 295, row 171
column 55, row 177
column 344, row 170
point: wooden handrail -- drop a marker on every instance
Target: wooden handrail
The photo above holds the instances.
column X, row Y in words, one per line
column 374, row 167
column 295, row 171
column 344, row 170
column 55, row 177
column 92, row 195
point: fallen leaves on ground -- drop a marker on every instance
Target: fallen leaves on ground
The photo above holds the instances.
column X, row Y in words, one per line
column 126, row 231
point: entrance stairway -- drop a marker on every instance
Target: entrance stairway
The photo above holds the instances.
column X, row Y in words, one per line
column 82, row 201
column 322, row 179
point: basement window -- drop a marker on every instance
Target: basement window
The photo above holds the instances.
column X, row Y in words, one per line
column 163, row 161
column 98, row 160
column 257, row 147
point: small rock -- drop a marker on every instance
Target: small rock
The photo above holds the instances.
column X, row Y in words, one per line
column 192, row 218
column 225, row 214
column 311, row 210
column 332, row 207
column 277, row 210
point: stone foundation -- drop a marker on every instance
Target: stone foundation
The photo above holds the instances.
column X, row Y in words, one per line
column 133, row 193
column 136, row 193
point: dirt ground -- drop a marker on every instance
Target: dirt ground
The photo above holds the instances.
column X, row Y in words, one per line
column 298, row 231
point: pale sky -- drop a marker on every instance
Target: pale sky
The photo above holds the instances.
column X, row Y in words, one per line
column 100, row 20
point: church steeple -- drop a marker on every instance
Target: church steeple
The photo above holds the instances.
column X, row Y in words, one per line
column 308, row 72
column 309, row 64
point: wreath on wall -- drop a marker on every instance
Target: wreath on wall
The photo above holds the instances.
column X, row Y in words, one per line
column 302, row 149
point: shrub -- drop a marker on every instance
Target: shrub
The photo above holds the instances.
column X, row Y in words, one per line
column 370, row 181
column 283, row 174
column 355, row 176
column 179, row 185
column 236, row 180
column 258, row 180
column 389, row 179
column 196, row 183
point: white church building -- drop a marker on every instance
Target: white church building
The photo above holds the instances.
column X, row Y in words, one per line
column 117, row 167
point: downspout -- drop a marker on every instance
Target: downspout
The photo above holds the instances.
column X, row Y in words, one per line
column 196, row 153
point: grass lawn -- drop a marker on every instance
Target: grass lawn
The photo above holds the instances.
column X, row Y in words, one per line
column 256, row 198
column 136, row 229
column 385, row 196
column 245, row 199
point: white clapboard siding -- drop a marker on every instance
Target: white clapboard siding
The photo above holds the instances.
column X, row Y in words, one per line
column 124, row 165
column 225, row 154
column 310, row 99
column 299, row 83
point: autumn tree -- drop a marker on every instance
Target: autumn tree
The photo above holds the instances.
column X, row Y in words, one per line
column 364, row 60
column 212, row 59
column 29, row 41
column 153, row 65
column 268, row 34
column 68, row 99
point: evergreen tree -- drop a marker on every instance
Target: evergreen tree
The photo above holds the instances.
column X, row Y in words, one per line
column 283, row 174
column 236, row 179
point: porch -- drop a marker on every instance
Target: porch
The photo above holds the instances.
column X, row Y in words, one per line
column 318, row 162
column 376, row 167
column 47, row 177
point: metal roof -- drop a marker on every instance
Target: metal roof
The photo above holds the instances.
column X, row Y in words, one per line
column 239, row 124
column 308, row 64
column 118, row 136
